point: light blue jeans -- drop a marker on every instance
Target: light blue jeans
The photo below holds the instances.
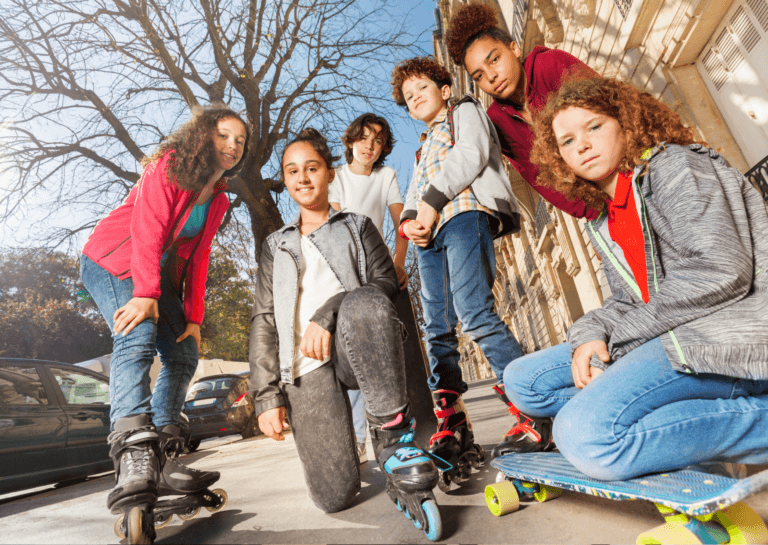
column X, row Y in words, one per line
column 457, row 273
column 132, row 355
column 359, row 420
column 641, row 416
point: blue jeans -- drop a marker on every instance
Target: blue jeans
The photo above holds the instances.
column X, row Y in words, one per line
column 359, row 421
column 133, row 354
column 641, row 416
column 457, row 274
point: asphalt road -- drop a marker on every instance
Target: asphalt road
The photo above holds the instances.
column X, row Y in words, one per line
column 268, row 503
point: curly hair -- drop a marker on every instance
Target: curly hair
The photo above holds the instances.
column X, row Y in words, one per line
column 417, row 67
column 355, row 132
column 318, row 142
column 645, row 121
column 471, row 23
column 194, row 158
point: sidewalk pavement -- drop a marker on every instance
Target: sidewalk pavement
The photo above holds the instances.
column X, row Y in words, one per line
column 268, row 503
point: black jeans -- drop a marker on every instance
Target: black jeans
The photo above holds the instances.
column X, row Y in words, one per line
column 367, row 354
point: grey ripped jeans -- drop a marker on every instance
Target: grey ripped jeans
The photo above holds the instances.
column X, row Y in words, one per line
column 367, row 354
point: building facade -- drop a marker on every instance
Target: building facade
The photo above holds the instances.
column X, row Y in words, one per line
column 701, row 57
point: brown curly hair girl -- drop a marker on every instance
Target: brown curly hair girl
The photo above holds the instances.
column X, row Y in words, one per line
column 645, row 121
column 417, row 67
column 194, row 159
column 472, row 22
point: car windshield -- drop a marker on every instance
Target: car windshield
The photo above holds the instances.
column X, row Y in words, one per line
column 213, row 387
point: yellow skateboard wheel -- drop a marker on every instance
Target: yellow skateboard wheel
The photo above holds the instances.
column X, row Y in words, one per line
column 667, row 534
column 502, row 498
column 547, row 493
column 742, row 524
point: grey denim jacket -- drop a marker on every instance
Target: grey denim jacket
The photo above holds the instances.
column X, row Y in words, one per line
column 357, row 255
column 706, row 244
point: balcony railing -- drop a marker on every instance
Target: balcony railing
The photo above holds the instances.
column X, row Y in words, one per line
column 758, row 175
column 530, row 265
column 542, row 217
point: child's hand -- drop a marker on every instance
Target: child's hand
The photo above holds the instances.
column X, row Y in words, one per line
column 273, row 422
column 418, row 234
column 583, row 373
column 316, row 343
column 427, row 215
column 402, row 276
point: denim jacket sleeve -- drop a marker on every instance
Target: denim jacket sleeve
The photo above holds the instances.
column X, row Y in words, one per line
column 380, row 270
column 263, row 349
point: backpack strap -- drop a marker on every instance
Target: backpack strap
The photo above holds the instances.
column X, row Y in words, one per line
column 449, row 116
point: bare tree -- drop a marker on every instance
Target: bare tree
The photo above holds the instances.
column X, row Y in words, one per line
column 88, row 87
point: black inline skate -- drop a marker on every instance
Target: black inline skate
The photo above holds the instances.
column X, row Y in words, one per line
column 454, row 441
column 135, row 451
column 527, row 435
column 409, row 471
column 175, row 479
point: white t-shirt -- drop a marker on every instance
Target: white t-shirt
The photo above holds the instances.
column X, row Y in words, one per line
column 368, row 195
column 317, row 284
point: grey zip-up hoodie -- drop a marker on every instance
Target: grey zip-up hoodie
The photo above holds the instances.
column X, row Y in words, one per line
column 706, row 244
column 474, row 161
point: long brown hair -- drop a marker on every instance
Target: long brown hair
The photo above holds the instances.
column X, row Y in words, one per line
column 194, row 153
column 645, row 121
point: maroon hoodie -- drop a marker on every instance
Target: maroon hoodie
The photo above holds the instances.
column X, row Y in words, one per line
column 545, row 69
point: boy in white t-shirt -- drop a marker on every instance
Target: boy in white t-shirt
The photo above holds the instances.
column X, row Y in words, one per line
column 365, row 186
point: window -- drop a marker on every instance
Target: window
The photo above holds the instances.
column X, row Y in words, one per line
column 21, row 386
column 81, row 389
column 623, row 6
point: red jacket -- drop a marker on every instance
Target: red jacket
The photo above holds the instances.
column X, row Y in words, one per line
column 130, row 241
column 545, row 69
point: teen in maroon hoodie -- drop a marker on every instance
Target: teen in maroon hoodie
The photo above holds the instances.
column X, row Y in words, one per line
column 519, row 89
column 476, row 41
column 145, row 265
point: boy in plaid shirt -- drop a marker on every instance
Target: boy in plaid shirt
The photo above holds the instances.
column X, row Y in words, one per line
column 458, row 201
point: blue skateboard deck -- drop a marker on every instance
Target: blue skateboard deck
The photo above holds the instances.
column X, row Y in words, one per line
column 685, row 491
column 698, row 507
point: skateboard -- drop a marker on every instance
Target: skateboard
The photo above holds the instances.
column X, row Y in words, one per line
column 697, row 507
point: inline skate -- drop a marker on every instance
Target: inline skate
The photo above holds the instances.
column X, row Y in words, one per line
column 527, row 435
column 454, row 441
column 410, row 472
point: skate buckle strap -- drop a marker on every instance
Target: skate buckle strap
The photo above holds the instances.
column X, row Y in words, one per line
column 525, row 429
column 440, row 435
column 445, row 412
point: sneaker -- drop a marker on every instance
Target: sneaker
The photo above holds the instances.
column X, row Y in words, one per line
column 362, row 453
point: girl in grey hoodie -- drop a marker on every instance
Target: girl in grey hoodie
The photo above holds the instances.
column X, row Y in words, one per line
column 673, row 369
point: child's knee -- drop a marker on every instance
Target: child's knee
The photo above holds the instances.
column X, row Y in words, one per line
column 586, row 440
column 517, row 389
column 334, row 499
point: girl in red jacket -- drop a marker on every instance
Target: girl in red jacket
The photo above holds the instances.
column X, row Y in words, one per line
column 145, row 265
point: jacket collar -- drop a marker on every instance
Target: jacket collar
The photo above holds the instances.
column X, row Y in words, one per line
column 295, row 223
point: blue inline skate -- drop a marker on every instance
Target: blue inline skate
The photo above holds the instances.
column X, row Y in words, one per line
column 410, row 472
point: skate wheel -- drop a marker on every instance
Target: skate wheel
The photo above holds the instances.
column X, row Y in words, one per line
column 162, row 521
column 119, row 528
column 135, row 527
column 444, row 483
column 547, row 493
column 406, row 513
column 398, row 506
column 668, row 533
column 416, row 523
column 476, row 463
column 742, row 524
column 502, row 498
column 190, row 514
column 434, row 529
column 222, row 495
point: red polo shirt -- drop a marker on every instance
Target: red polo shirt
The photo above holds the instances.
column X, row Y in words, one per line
column 626, row 230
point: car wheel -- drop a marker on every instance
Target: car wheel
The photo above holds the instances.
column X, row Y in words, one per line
column 192, row 445
column 251, row 428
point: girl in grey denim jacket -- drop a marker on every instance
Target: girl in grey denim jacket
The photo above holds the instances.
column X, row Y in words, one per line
column 353, row 341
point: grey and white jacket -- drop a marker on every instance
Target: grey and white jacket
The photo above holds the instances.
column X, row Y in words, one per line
column 357, row 255
column 706, row 244
column 474, row 161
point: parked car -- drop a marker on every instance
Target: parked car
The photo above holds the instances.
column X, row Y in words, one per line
column 54, row 423
column 219, row 405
